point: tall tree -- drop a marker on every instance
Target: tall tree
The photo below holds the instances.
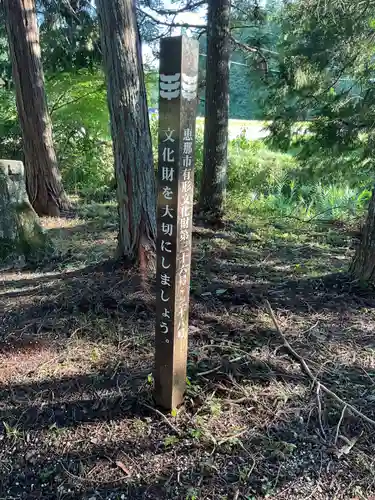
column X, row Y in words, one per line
column 326, row 71
column 43, row 180
column 131, row 134
column 70, row 35
column 363, row 263
column 213, row 188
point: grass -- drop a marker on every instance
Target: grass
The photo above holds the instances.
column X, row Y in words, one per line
column 260, row 179
column 278, row 184
column 76, row 350
column 76, row 354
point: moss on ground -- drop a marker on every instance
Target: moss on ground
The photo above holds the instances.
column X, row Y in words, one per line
column 30, row 243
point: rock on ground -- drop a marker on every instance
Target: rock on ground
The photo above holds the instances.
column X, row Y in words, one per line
column 22, row 239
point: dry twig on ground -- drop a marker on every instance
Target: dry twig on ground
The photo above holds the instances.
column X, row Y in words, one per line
column 305, row 368
column 155, row 410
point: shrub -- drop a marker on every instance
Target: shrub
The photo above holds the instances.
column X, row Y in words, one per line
column 86, row 160
column 259, row 179
column 10, row 133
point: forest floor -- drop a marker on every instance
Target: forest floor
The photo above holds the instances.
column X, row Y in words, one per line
column 76, row 356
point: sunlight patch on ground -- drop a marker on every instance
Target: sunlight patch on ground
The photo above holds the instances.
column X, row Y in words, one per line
column 77, row 399
column 60, row 222
column 24, row 361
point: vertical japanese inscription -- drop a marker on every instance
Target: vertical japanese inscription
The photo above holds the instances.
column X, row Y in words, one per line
column 177, row 114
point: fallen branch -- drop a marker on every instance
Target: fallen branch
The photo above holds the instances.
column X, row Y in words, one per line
column 320, row 409
column 174, row 428
column 217, row 368
column 305, row 368
column 338, row 425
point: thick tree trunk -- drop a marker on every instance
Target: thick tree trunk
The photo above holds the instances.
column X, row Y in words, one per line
column 363, row 263
column 43, row 178
column 21, row 235
column 131, row 134
column 214, row 179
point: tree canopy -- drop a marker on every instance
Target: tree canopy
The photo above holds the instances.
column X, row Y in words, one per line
column 325, row 72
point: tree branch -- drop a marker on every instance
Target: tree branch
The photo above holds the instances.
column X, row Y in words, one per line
column 166, row 420
column 240, row 27
column 171, row 24
column 170, row 12
column 235, row 7
column 305, row 368
column 71, row 11
column 57, row 106
column 253, row 50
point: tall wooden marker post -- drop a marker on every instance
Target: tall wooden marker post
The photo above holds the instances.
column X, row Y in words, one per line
column 178, row 85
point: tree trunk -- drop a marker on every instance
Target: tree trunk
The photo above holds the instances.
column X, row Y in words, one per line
column 21, row 235
column 130, row 126
column 363, row 263
column 215, row 162
column 43, row 179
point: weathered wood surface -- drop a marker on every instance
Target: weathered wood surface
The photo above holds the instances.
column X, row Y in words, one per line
column 177, row 117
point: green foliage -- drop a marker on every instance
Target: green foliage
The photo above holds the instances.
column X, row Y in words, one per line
column 79, row 112
column 246, row 94
column 253, row 167
column 69, row 35
column 76, row 96
column 254, row 25
column 152, row 87
column 323, row 202
column 303, row 180
column 5, row 66
column 170, row 441
column 12, row 432
column 81, row 129
column 248, row 88
column 78, row 108
column 10, row 133
column 325, row 74
column 199, row 144
column 275, row 183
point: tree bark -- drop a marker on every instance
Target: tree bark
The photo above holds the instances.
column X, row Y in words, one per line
column 130, row 126
column 43, row 179
column 215, row 162
column 363, row 263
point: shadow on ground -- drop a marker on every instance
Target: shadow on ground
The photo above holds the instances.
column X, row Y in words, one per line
column 76, row 354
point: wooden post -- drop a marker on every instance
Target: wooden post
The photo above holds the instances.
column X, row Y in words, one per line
column 177, row 116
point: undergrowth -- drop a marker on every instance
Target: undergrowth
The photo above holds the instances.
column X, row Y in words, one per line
column 264, row 181
column 261, row 180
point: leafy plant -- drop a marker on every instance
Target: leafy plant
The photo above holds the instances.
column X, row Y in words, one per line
column 196, row 433
column 192, row 494
column 12, row 432
column 170, row 441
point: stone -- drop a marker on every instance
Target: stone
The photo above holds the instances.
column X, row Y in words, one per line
column 22, row 238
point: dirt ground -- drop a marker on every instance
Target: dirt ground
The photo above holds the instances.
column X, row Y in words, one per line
column 77, row 419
